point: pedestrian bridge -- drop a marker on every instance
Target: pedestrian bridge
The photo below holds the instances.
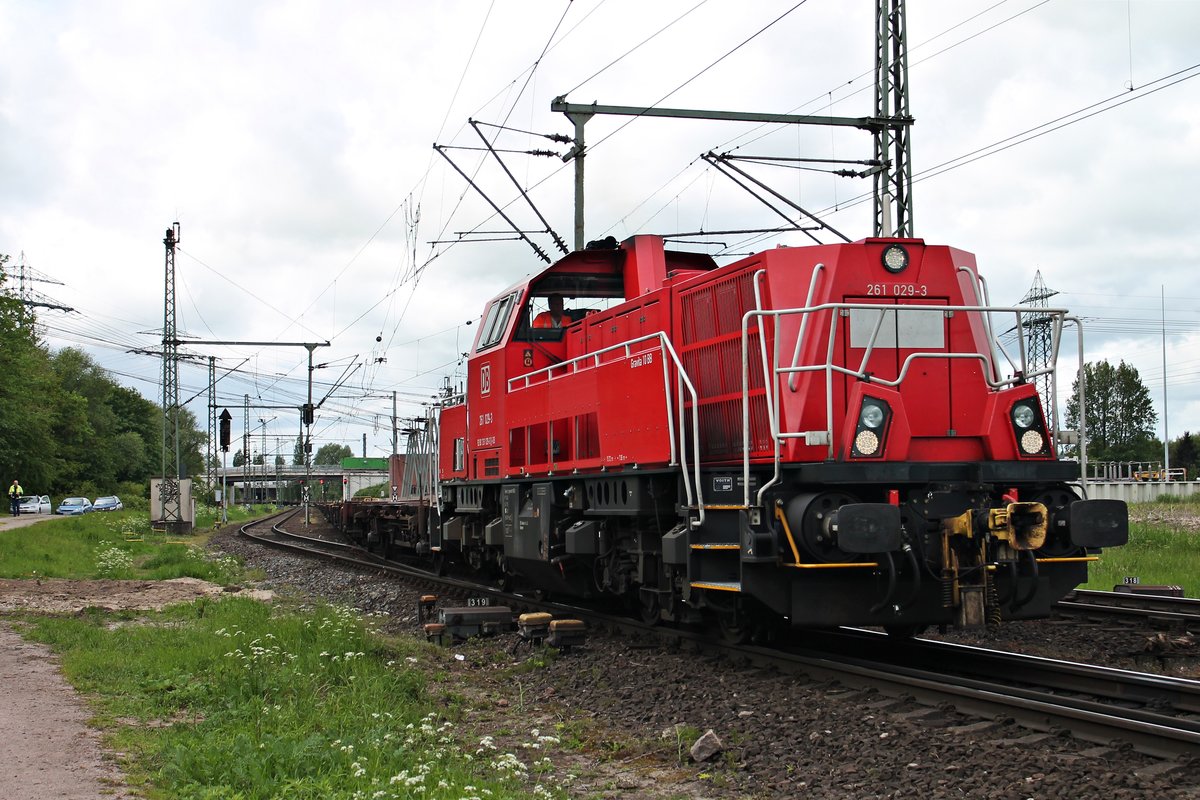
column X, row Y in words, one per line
column 268, row 483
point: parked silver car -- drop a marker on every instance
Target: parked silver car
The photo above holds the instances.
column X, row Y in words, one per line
column 36, row 504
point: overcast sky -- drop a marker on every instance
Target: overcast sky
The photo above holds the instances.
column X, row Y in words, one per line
column 293, row 142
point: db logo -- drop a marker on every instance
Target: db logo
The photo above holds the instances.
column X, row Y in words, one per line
column 485, row 379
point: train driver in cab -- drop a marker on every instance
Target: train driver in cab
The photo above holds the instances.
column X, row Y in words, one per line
column 555, row 317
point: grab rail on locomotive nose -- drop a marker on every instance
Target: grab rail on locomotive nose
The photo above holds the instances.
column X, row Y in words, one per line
column 683, row 381
column 1056, row 317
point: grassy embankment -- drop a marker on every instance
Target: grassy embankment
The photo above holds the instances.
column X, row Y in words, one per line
column 1156, row 554
column 239, row 699
column 114, row 545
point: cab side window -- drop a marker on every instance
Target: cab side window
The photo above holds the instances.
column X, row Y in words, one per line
column 496, row 321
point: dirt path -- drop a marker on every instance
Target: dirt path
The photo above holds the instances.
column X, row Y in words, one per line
column 47, row 748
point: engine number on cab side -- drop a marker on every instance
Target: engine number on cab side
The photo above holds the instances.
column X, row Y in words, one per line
column 897, row 290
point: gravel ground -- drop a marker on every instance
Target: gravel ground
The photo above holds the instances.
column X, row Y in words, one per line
column 625, row 714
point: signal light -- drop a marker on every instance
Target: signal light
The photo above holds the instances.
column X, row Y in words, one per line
column 894, row 258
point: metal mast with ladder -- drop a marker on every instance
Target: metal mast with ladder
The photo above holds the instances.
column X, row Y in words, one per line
column 889, row 127
column 171, row 515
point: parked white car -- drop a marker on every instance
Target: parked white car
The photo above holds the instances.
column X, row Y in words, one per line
column 36, row 504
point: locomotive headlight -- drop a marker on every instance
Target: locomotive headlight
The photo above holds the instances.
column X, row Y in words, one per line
column 866, row 443
column 871, row 429
column 895, row 258
column 1023, row 415
column 1032, row 442
column 871, row 416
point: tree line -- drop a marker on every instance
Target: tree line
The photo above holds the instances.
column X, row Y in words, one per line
column 1120, row 419
column 66, row 427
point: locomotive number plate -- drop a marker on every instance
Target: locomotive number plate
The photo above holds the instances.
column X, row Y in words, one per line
column 478, row 602
column 897, row 289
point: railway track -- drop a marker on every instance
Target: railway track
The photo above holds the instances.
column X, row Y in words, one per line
column 1150, row 609
column 1156, row 715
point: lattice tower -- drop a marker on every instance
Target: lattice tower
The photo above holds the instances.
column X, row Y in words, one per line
column 212, row 422
column 1038, row 335
column 172, row 516
column 893, row 183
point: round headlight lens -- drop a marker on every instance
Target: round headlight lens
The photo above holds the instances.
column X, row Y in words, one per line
column 1023, row 415
column 866, row 443
column 895, row 258
column 1032, row 442
column 871, row 416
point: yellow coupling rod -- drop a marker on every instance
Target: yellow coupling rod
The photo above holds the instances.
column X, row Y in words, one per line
column 787, row 530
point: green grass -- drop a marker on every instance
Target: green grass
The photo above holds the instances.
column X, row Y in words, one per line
column 1185, row 501
column 106, row 546
column 233, row 699
column 1155, row 555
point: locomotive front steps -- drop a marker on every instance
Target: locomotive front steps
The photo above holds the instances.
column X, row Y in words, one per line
column 715, row 549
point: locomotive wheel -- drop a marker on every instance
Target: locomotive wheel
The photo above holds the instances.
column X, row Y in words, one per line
column 651, row 610
column 733, row 627
column 502, row 578
column 905, row 631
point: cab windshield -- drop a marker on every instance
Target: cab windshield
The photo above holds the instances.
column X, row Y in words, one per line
column 559, row 300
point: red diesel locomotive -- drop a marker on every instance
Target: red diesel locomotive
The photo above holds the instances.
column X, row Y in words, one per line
column 810, row 436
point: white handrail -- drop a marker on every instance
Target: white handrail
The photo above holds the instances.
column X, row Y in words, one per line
column 774, row 411
column 812, row 289
column 678, row 452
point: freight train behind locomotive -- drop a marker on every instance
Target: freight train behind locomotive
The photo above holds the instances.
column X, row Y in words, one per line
column 810, row 436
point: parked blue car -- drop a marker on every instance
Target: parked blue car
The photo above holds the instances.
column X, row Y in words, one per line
column 109, row 503
column 74, row 505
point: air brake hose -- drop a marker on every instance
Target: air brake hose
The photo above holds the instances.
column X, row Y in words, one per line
column 916, row 569
column 1033, row 580
column 891, row 587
